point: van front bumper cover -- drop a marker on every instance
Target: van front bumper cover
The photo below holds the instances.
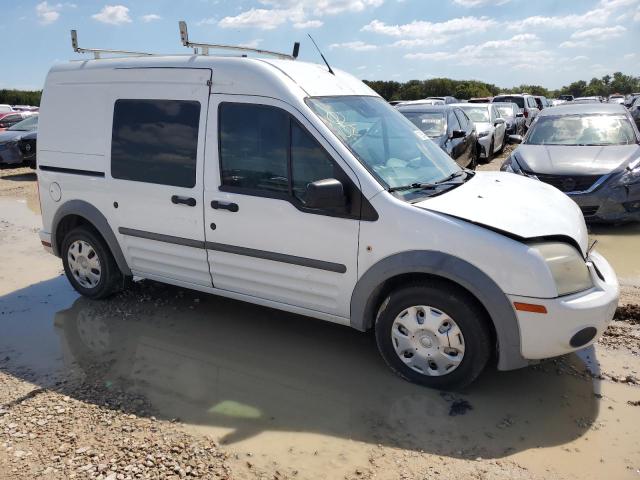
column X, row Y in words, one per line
column 570, row 320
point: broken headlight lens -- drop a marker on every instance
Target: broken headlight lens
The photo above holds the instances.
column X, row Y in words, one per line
column 566, row 265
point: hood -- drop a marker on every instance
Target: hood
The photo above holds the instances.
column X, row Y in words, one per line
column 575, row 160
column 513, row 204
column 10, row 135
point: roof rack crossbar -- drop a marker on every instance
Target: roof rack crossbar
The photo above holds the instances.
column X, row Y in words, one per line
column 97, row 51
column 184, row 37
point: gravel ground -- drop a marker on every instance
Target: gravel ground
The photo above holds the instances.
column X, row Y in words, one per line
column 103, row 417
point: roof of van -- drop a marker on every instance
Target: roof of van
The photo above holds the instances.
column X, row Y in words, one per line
column 246, row 75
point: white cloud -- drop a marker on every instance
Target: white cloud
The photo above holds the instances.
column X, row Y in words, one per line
column 302, row 13
column 572, row 44
column 480, row 3
column 510, row 52
column 151, row 17
column 357, row 46
column 46, row 13
column 207, row 21
column 599, row 33
column 252, row 44
column 309, row 24
column 113, row 15
column 421, row 33
column 630, row 56
column 579, row 58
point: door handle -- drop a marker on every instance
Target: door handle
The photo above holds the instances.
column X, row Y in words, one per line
column 176, row 199
column 232, row 207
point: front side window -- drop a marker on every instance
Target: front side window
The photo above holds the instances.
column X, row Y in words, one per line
column 392, row 148
column 506, row 111
column 582, row 130
column 155, row 141
column 454, row 124
column 254, row 142
column 462, row 118
column 264, row 151
column 27, row 124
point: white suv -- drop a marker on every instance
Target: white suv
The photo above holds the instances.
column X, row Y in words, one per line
column 280, row 183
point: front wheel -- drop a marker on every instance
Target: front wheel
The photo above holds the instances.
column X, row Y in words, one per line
column 89, row 264
column 433, row 334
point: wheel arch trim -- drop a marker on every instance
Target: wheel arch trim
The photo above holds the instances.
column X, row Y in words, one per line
column 93, row 216
column 448, row 267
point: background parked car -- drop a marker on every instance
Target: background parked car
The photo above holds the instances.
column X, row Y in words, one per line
column 586, row 100
column 525, row 102
column 480, row 100
column 630, row 99
column 10, row 119
column 513, row 117
column 447, row 100
column 449, row 127
column 424, row 101
column 566, row 98
column 491, row 127
column 5, row 108
column 591, row 152
column 9, row 151
column 634, row 110
column 542, row 101
column 616, row 98
column 27, row 146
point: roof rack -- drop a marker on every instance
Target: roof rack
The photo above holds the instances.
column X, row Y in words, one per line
column 97, row 51
column 184, row 37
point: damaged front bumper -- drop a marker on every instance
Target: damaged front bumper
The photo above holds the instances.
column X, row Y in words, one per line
column 611, row 203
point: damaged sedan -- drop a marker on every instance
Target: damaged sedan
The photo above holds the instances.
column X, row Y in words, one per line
column 591, row 152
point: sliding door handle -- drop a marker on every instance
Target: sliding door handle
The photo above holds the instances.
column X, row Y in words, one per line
column 232, row 207
column 176, row 199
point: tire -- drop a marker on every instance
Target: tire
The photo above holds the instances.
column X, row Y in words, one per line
column 86, row 243
column 475, row 157
column 448, row 304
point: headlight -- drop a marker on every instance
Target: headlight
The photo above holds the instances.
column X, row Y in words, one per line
column 567, row 267
column 482, row 134
column 511, row 165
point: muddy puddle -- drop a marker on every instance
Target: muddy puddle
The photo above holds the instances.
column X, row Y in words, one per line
column 620, row 245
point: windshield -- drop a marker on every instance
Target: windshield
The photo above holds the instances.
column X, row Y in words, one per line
column 27, row 124
column 477, row 114
column 431, row 123
column 506, row 111
column 384, row 141
column 582, row 130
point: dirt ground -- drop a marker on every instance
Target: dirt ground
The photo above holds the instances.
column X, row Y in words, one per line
column 161, row 382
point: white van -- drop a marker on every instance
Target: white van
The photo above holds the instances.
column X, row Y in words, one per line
column 279, row 183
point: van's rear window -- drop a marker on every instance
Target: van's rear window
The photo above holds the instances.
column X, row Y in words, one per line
column 155, row 141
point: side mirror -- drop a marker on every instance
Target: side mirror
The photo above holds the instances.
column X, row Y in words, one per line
column 458, row 134
column 519, row 114
column 515, row 139
column 499, row 121
column 325, row 194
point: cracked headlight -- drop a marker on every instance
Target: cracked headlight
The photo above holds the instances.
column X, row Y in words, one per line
column 566, row 265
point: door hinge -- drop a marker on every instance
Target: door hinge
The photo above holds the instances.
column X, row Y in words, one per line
column 209, row 83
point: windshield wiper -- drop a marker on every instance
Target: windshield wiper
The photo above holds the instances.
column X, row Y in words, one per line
column 416, row 185
column 451, row 177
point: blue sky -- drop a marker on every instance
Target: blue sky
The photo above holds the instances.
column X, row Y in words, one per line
column 506, row 42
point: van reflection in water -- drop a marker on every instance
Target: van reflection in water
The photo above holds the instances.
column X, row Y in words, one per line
column 230, row 365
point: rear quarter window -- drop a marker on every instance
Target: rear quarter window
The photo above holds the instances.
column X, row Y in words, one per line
column 155, row 141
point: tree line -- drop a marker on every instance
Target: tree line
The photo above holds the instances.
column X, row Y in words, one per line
column 465, row 89
column 438, row 87
column 21, row 97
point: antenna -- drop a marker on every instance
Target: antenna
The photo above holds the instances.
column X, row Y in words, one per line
column 184, row 38
column 324, row 59
column 97, row 51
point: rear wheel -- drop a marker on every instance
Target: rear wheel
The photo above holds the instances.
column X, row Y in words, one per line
column 89, row 264
column 433, row 334
column 490, row 153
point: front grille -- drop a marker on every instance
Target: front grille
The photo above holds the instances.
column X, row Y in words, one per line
column 569, row 183
column 589, row 211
